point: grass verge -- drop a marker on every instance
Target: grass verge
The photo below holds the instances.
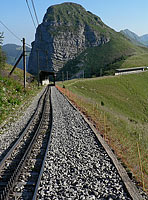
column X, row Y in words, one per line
column 12, row 93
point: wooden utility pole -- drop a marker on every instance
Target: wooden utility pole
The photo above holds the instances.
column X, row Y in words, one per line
column 100, row 71
column 83, row 73
column 24, row 61
column 62, row 76
column 67, row 75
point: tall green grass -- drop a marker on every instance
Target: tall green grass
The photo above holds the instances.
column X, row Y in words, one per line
column 12, row 93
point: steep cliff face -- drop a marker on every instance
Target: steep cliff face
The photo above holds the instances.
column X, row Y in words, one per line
column 66, row 31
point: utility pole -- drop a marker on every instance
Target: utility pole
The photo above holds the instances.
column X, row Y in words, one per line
column 67, row 75
column 62, row 76
column 83, row 73
column 100, row 71
column 24, row 61
column 38, row 67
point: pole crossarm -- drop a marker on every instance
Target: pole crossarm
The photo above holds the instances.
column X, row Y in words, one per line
column 17, row 62
column 24, row 62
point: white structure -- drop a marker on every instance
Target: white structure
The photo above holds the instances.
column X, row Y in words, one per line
column 130, row 70
column 45, row 82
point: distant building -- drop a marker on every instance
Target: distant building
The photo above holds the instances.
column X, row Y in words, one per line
column 45, row 76
column 130, row 70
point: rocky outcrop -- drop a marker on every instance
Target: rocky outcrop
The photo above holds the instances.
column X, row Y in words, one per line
column 67, row 30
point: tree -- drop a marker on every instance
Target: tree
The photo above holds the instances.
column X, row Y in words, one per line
column 1, row 38
column 2, row 55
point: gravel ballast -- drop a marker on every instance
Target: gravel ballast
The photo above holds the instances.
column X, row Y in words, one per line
column 77, row 166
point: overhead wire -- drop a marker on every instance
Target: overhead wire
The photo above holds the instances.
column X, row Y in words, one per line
column 28, row 45
column 32, row 20
column 30, row 13
column 10, row 31
column 18, row 54
column 35, row 12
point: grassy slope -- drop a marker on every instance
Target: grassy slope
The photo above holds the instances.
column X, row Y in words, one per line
column 140, row 59
column 123, row 101
column 70, row 16
column 118, row 53
column 12, row 94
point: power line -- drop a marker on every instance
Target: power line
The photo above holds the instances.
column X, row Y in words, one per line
column 35, row 12
column 18, row 54
column 10, row 31
column 30, row 13
column 28, row 45
column 14, row 34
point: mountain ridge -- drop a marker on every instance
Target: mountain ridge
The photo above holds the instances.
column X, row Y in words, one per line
column 13, row 51
column 138, row 40
column 73, row 39
column 67, row 29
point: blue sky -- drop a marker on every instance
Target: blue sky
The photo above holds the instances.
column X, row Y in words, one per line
column 118, row 14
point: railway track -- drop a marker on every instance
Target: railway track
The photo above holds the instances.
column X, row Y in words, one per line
column 75, row 165
column 22, row 166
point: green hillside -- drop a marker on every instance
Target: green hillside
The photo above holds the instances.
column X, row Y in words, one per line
column 137, row 60
column 121, row 103
column 119, row 52
column 12, row 93
column 71, row 16
column 103, row 60
column 13, row 52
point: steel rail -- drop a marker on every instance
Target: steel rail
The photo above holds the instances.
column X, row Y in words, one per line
column 11, row 182
column 2, row 162
column 43, row 163
column 27, row 152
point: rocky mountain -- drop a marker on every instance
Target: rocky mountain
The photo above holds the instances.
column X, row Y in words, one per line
column 144, row 39
column 13, row 52
column 138, row 40
column 67, row 30
column 75, row 40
